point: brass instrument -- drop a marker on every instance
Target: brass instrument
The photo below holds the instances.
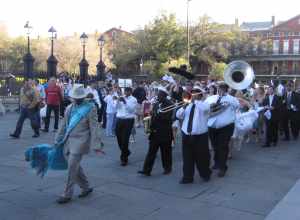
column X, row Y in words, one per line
column 147, row 121
column 238, row 75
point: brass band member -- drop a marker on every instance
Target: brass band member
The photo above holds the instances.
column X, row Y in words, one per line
column 160, row 135
column 126, row 107
column 195, row 150
column 221, row 127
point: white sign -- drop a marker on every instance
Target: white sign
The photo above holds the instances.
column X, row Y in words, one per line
column 123, row 83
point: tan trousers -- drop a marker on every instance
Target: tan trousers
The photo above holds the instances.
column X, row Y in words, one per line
column 75, row 175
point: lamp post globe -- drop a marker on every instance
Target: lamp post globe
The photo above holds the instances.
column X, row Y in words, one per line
column 83, row 65
column 28, row 58
column 52, row 61
column 101, row 66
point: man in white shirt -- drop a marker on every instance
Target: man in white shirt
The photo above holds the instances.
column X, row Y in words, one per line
column 126, row 107
column 111, row 111
column 194, row 129
column 221, row 127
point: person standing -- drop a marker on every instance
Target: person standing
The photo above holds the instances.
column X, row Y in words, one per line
column 160, row 135
column 140, row 94
column 221, row 127
column 82, row 136
column 292, row 121
column 272, row 106
column 29, row 99
column 195, row 149
column 126, row 107
column 53, row 100
column 111, row 110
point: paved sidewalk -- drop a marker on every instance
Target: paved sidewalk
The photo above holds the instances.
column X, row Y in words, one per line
column 257, row 180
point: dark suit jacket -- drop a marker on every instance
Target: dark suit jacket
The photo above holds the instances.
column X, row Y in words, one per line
column 276, row 104
column 161, row 123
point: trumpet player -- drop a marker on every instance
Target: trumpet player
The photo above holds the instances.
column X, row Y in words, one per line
column 126, row 107
column 160, row 135
column 221, row 127
column 194, row 129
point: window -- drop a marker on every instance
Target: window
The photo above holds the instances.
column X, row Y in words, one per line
column 276, row 46
column 286, row 46
column 276, row 34
column 296, row 46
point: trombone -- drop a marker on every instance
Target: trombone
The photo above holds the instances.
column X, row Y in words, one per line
column 183, row 103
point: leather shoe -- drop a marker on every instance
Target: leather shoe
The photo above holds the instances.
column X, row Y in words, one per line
column 221, row 173
column 63, row 200
column 35, row 135
column 85, row 193
column 206, row 179
column 144, row 173
column 266, row 145
column 14, row 136
column 185, row 181
column 274, row 144
column 45, row 130
column 167, row 172
column 124, row 163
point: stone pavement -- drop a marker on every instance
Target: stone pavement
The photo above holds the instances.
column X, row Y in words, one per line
column 256, row 181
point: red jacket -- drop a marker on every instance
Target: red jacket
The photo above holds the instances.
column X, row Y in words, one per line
column 53, row 95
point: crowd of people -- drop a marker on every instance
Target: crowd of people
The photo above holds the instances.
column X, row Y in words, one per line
column 206, row 113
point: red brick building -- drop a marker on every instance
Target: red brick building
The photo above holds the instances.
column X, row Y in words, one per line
column 283, row 60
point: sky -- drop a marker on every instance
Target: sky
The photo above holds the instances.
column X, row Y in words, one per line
column 69, row 16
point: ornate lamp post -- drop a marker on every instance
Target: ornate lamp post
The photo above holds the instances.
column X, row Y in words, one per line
column 101, row 66
column 28, row 58
column 141, row 66
column 83, row 65
column 52, row 61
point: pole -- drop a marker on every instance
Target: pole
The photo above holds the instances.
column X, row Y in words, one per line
column 188, row 32
column 52, row 46
column 83, row 51
column 28, row 44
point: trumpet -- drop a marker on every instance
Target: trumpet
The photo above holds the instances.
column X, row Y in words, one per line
column 183, row 103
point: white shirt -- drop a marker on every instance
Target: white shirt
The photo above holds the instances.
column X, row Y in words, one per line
column 111, row 104
column 96, row 96
column 271, row 97
column 127, row 111
column 199, row 125
column 228, row 115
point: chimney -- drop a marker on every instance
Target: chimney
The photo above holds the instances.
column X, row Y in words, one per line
column 273, row 20
column 236, row 22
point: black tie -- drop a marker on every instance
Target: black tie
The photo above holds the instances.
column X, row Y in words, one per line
column 190, row 122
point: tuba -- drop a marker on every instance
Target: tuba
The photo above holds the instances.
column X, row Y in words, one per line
column 238, row 75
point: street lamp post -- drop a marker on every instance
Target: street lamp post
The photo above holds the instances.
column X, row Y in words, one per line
column 83, row 65
column 101, row 66
column 141, row 66
column 188, row 30
column 52, row 61
column 28, row 58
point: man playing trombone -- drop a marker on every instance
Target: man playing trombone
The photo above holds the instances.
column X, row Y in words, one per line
column 160, row 134
column 195, row 149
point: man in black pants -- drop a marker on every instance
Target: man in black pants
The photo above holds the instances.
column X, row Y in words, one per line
column 221, row 127
column 126, row 107
column 272, row 105
column 292, row 117
column 160, row 135
column 194, row 129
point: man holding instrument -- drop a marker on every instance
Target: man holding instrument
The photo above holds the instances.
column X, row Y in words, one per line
column 160, row 135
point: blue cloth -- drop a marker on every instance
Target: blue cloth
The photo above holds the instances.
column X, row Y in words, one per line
column 45, row 156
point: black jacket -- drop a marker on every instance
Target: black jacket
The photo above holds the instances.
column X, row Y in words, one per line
column 161, row 123
column 276, row 104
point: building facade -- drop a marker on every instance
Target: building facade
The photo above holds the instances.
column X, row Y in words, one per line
column 282, row 59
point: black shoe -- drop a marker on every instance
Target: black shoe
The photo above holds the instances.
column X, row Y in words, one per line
column 63, row 200
column 144, row 173
column 35, row 135
column 286, row 139
column 266, row 145
column 45, row 130
column 54, row 130
column 85, row 193
column 14, row 136
column 167, row 172
column 215, row 167
column 206, row 179
column 275, row 144
column 124, row 163
column 185, row 181
column 221, row 173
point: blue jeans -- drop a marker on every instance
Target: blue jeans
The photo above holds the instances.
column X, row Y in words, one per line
column 110, row 124
column 33, row 117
